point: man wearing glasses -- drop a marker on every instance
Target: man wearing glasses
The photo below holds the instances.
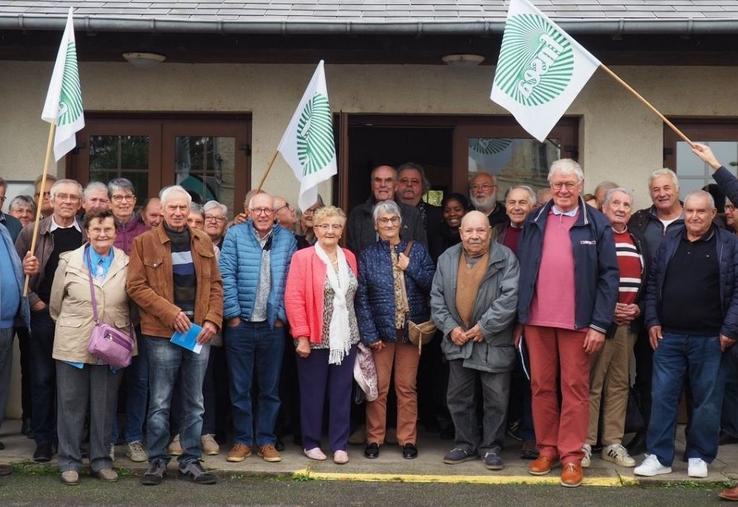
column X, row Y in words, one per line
column 483, row 195
column 254, row 262
column 58, row 233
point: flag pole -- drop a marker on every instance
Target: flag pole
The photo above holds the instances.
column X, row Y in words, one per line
column 647, row 104
column 42, row 187
column 269, row 168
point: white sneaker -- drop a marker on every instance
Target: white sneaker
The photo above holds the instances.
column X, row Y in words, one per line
column 617, row 454
column 651, row 466
column 697, row 468
column 587, row 459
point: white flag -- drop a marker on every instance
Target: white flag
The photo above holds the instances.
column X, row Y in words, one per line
column 64, row 99
column 540, row 71
column 307, row 144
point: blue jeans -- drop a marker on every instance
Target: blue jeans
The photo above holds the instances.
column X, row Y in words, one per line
column 137, row 392
column 254, row 350
column 677, row 356
column 169, row 363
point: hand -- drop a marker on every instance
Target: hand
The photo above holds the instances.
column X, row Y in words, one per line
column 303, row 347
column 593, row 341
column 208, row 331
column 38, row 306
column 240, row 218
column 458, row 336
column 705, row 153
column 377, row 346
column 234, row 322
column 278, row 323
column 517, row 334
column 475, row 334
column 620, row 312
column 654, row 336
column 182, row 323
column 403, row 261
column 30, row 264
column 725, row 343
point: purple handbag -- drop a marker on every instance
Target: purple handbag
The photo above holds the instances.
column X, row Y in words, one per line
column 110, row 345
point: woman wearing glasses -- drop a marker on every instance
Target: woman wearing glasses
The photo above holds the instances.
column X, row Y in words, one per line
column 319, row 301
column 394, row 286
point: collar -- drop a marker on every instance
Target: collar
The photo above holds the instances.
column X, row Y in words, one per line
column 571, row 213
column 54, row 226
column 704, row 238
column 619, row 232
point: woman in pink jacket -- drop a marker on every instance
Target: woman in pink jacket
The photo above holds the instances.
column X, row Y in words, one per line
column 319, row 300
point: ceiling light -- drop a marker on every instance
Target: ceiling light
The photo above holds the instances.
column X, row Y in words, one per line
column 464, row 60
column 144, row 60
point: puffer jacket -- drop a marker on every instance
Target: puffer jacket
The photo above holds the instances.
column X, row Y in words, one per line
column 240, row 265
column 375, row 298
column 494, row 309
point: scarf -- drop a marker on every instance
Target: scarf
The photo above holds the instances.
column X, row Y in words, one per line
column 339, row 334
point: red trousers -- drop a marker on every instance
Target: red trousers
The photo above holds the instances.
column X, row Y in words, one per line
column 558, row 363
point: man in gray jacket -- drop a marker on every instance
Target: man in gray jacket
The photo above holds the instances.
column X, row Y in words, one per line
column 477, row 325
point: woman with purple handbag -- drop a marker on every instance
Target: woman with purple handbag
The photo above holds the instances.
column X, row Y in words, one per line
column 93, row 340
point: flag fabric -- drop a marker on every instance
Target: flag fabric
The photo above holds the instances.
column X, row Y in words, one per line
column 540, row 71
column 64, row 99
column 307, row 145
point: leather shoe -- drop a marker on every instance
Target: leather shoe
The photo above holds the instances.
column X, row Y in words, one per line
column 43, row 453
column 571, row 475
column 541, row 465
column 730, row 494
column 371, row 450
column 409, row 451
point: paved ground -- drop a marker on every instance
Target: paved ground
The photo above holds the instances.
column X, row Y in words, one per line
column 391, row 466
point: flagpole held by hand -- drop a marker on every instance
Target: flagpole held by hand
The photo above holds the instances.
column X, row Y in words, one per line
column 647, row 104
column 41, row 189
column 269, row 168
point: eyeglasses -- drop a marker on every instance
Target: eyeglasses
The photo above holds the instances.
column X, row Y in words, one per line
column 325, row 227
column 66, row 197
column 309, row 212
column 277, row 210
column 389, row 220
column 569, row 185
column 46, row 194
column 214, row 218
column 261, row 211
column 485, row 186
column 121, row 198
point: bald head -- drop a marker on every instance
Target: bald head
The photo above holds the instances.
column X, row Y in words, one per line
column 475, row 233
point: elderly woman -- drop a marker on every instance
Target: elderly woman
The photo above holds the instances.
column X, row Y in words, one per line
column 23, row 208
column 216, row 216
column 196, row 218
column 319, row 301
column 83, row 381
column 394, row 286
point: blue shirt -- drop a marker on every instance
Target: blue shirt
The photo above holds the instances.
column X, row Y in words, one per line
column 99, row 265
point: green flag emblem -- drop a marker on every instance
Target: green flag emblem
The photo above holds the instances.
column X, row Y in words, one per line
column 315, row 148
column 70, row 99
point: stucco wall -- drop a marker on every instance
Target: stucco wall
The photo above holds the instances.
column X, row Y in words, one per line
column 620, row 139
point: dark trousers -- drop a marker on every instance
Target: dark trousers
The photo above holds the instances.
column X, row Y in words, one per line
column 215, row 394
column 24, row 345
column 520, row 401
column 136, row 387
column 432, row 382
column 644, row 371
column 729, row 416
column 43, row 377
column 318, row 378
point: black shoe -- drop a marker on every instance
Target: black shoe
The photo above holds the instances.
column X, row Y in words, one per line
column 637, row 445
column 371, row 451
column 43, row 453
column 194, row 472
column 155, row 473
column 26, row 428
column 2, row 446
column 409, row 451
column 279, row 445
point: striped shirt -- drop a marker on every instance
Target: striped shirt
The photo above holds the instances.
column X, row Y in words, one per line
column 183, row 271
column 630, row 263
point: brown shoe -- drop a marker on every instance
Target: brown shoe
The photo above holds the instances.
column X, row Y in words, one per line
column 571, row 475
column 269, row 453
column 541, row 465
column 730, row 494
column 238, row 453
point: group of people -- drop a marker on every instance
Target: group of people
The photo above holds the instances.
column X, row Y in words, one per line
column 528, row 316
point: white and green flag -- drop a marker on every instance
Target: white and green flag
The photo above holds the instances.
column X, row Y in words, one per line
column 307, row 144
column 64, row 99
column 540, row 71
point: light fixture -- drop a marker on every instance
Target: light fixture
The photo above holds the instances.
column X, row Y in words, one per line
column 144, row 60
column 463, row 60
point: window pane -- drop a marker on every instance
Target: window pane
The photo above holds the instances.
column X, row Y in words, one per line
column 205, row 167
column 513, row 161
column 695, row 174
column 121, row 156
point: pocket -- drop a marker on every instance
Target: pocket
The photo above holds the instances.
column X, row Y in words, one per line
column 74, row 322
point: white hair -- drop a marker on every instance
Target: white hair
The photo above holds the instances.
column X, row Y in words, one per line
column 525, row 188
column 95, row 186
column 66, row 181
column 386, row 208
column 566, row 166
column 215, row 205
column 703, row 194
column 664, row 172
column 611, row 193
column 168, row 192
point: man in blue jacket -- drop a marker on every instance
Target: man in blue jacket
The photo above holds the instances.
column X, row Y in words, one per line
column 254, row 262
column 691, row 317
column 568, row 290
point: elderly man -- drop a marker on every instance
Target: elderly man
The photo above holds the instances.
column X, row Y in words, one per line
column 600, row 192
column 691, row 317
column 483, row 195
column 95, row 197
column 151, row 212
column 411, row 185
column 254, row 262
column 477, row 325
column 361, row 232
column 609, row 378
column 58, row 233
column 285, row 214
column 11, row 223
column 568, row 291
column 42, row 195
column 173, row 277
